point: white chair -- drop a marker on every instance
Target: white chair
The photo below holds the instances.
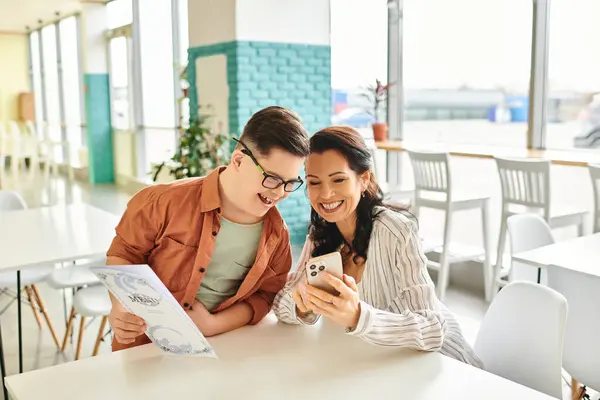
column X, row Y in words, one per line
column 526, row 232
column 11, row 201
column 391, row 194
column 88, row 302
column 521, row 336
column 525, row 187
column 581, row 356
column 433, row 189
column 595, row 175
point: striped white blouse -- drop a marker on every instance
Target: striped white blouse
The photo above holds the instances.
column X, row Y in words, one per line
column 398, row 302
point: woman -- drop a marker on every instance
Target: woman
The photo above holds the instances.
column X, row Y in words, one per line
column 386, row 295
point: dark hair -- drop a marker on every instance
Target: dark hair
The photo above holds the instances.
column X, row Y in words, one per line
column 326, row 236
column 276, row 127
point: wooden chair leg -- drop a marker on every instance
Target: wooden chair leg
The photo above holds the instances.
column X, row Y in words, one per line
column 36, row 314
column 575, row 389
column 80, row 337
column 38, row 298
column 69, row 328
column 100, row 334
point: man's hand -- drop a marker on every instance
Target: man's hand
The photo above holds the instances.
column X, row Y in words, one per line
column 126, row 326
column 204, row 320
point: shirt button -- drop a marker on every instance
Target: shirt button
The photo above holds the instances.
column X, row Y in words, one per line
column 202, row 270
column 186, row 305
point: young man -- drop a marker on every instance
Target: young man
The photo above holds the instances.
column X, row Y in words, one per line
column 218, row 243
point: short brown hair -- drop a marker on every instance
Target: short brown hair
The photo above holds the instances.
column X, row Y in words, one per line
column 276, row 127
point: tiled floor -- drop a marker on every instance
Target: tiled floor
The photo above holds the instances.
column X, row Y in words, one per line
column 39, row 349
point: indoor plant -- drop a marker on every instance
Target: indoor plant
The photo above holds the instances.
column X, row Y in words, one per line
column 200, row 150
column 377, row 95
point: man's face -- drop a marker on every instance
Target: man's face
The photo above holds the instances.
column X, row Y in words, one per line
column 278, row 165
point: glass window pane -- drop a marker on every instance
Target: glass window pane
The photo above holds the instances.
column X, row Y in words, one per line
column 183, row 31
column 69, row 50
column 51, row 91
column 34, row 40
column 119, row 70
column 120, row 13
column 358, row 58
column 573, row 104
column 158, row 96
column 466, row 71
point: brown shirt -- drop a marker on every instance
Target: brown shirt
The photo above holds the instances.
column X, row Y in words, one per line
column 172, row 228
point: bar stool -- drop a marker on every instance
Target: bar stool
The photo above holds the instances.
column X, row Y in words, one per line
column 433, row 189
column 525, row 188
column 595, row 175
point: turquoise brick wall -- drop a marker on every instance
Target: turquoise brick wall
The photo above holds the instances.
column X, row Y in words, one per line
column 99, row 130
column 262, row 74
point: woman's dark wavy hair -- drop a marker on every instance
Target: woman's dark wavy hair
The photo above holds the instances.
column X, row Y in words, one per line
column 326, row 236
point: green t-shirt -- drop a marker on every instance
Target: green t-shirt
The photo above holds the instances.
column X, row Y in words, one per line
column 234, row 254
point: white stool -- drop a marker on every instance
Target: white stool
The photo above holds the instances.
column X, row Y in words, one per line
column 526, row 189
column 433, row 186
column 595, row 175
column 88, row 302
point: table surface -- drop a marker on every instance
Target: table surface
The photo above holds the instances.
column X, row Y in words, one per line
column 579, row 254
column 270, row 361
column 54, row 234
column 559, row 157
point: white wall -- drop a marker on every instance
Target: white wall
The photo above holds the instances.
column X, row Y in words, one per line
column 284, row 21
column 211, row 21
column 213, row 91
column 95, row 21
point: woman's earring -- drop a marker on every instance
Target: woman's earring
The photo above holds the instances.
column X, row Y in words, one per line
column 363, row 193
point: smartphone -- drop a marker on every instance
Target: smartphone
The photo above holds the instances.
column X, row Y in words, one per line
column 331, row 263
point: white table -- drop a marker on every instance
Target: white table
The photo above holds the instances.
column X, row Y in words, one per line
column 47, row 235
column 54, row 234
column 578, row 254
column 270, row 361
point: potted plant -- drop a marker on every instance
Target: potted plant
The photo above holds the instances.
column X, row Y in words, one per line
column 377, row 95
column 200, row 150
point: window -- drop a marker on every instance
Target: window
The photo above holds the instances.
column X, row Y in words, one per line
column 358, row 57
column 69, row 52
column 51, row 90
column 36, row 78
column 573, row 103
column 119, row 77
column 466, row 67
column 158, row 91
column 120, row 13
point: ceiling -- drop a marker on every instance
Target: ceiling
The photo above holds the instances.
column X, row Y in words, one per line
column 15, row 15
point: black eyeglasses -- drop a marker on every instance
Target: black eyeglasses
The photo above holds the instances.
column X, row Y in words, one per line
column 272, row 181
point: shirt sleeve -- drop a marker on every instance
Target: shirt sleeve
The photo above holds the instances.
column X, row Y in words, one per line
column 262, row 300
column 137, row 231
column 413, row 319
column 284, row 305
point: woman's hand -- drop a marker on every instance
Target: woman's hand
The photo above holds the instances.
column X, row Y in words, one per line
column 300, row 296
column 344, row 309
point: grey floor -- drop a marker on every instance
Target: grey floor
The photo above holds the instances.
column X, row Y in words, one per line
column 464, row 298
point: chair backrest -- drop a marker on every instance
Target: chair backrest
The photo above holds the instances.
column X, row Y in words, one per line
column 521, row 336
column 11, row 201
column 581, row 354
column 595, row 175
column 525, row 182
column 14, row 130
column 431, row 171
column 527, row 232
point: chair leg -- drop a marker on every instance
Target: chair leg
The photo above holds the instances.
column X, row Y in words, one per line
column 69, row 329
column 499, row 256
column 80, row 337
column 575, row 395
column 44, row 312
column 444, row 274
column 36, row 314
column 488, row 274
column 100, row 335
column 580, row 229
